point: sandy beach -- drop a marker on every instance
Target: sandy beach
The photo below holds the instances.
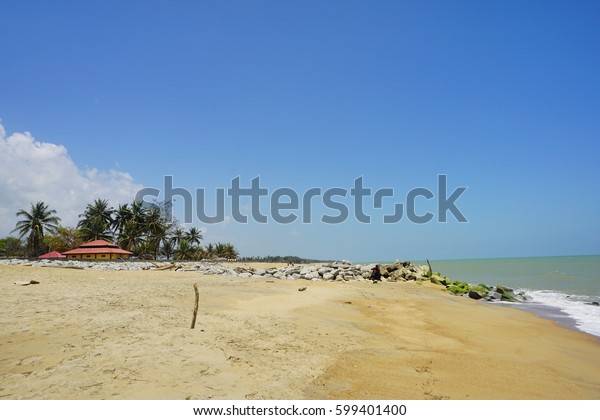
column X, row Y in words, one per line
column 84, row 334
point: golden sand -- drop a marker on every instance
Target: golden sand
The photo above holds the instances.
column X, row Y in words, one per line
column 84, row 334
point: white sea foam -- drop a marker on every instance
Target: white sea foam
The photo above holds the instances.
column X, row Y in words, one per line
column 586, row 316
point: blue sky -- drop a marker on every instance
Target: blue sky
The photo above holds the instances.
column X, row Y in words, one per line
column 503, row 97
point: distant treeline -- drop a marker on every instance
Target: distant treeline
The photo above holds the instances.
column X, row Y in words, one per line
column 280, row 259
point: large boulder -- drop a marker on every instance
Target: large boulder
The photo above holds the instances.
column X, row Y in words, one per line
column 473, row 294
column 458, row 288
column 303, row 271
column 390, row 268
column 494, row 295
column 479, row 290
column 398, row 275
column 311, row 275
column 328, row 276
column 506, row 294
column 324, row 270
column 441, row 281
column 508, row 297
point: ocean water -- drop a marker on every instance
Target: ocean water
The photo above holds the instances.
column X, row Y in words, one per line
column 560, row 288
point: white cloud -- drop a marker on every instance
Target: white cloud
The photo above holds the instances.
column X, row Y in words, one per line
column 32, row 171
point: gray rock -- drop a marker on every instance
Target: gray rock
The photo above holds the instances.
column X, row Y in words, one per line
column 324, row 270
column 311, row 275
column 494, row 295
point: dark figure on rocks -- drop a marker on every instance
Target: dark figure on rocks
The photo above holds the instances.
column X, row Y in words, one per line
column 375, row 274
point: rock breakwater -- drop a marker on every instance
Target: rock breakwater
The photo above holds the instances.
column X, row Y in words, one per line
column 398, row 271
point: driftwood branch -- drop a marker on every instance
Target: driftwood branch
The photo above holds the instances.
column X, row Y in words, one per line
column 195, row 305
column 166, row 267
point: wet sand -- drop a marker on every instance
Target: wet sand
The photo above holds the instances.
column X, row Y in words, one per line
column 83, row 334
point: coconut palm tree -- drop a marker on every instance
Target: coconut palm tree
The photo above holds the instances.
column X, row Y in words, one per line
column 155, row 224
column 178, row 235
column 184, row 251
column 193, row 236
column 121, row 215
column 230, row 252
column 132, row 236
column 156, row 228
column 209, row 252
column 138, row 212
column 225, row 250
column 95, row 229
column 96, row 220
column 168, row 248
column 35, row 223
column 200, row 253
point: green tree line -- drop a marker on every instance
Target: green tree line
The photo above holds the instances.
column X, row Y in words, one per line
column 133, row 226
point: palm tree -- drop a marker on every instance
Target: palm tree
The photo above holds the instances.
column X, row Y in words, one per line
column 194, row 236
column 155, row 224
column 178, row 235
column 96, row 220
column 184, row 251
column 156, row 228
column 225, row 250
column 230, row 252
column 209, row 252
column 200, row 253
column 121, row 215
column 219, row 250
column 95, row 229
column 138, row 212
column 168, row 248
column 35, row 223
column 132, row 236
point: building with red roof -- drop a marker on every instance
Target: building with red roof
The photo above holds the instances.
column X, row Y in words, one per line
column 97, row 250
column 51, row 255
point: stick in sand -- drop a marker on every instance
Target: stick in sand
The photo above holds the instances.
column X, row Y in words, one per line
column 195, row 306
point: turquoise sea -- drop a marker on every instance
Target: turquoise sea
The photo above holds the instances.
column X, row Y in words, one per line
column 561, row 288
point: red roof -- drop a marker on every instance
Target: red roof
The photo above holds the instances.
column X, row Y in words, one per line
column 97, row 247
column 77, row 251
column 52, row 254
column 98, row 243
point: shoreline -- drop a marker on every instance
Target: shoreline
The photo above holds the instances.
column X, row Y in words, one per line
column 89, row 334
column 548, row 312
